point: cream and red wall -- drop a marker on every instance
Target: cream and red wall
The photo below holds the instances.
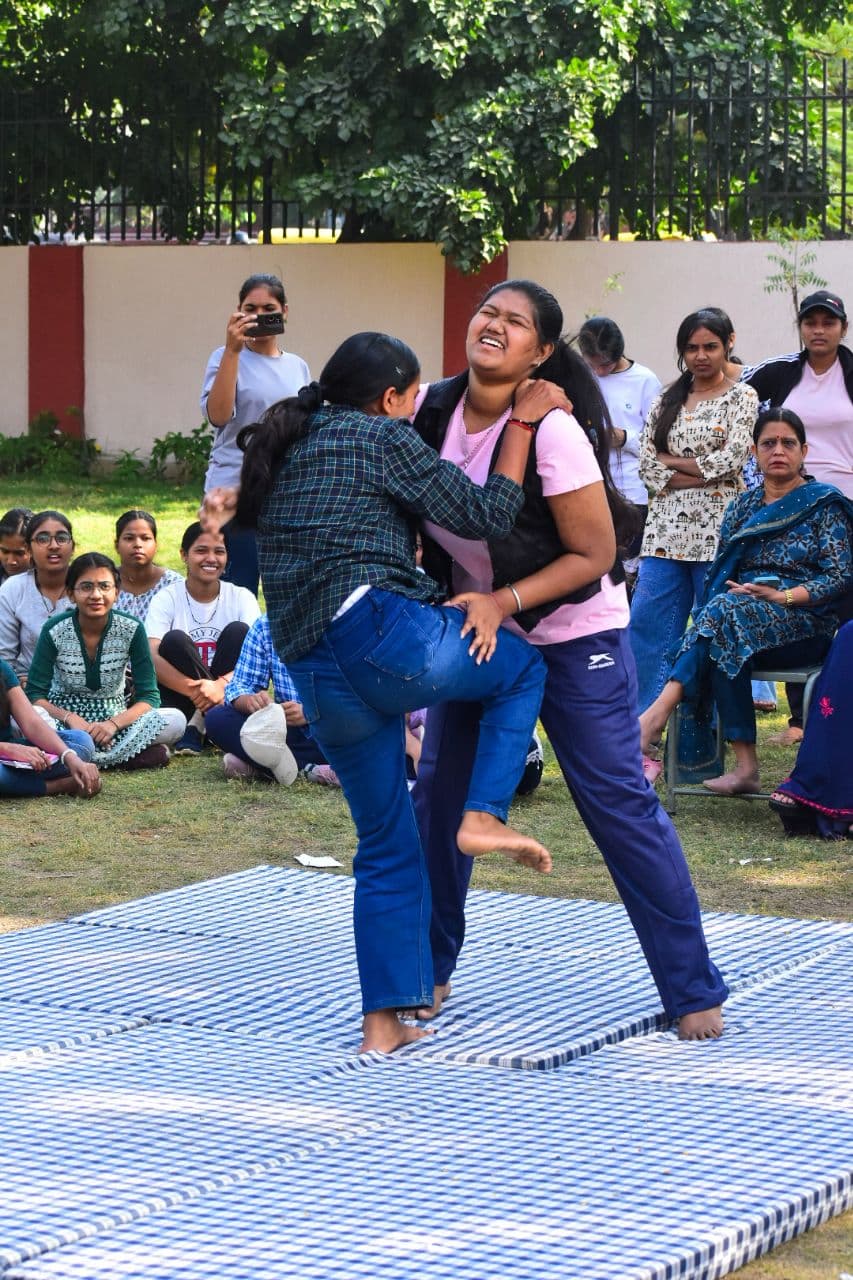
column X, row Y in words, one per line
column 124, row 332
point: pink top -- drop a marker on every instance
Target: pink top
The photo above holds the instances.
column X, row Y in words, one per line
column 565, row 462
column 821, row 400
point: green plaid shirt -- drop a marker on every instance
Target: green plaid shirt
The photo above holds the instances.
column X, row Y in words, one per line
column 340, row 516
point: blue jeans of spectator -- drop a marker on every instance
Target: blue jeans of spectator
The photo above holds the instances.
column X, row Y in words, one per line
column 27, row 782
column 242, row 547
column 589, row 713
column 385, row 656
column 223, row 724
column 660, row 607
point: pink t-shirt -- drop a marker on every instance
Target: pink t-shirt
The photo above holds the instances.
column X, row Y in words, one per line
column 565, row 462
column 821, row 400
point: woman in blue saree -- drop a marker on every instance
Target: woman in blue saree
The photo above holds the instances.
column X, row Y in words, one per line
column 784, row 559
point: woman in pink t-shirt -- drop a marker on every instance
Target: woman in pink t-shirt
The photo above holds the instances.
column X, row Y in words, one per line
column 555, row 580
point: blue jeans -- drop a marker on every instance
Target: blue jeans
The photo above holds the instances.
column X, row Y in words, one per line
column 589, row 713
column 26, row 782
column 660, row 607
column 242, row 547
column 222, row 725
column 388, row 655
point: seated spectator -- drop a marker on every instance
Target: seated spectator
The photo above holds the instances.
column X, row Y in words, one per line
column 14, row 551
column 196, row 628
column 35, row 760
column 141, row 578
column 817, row 798
column 78, row 673
column 28, row 600
column 785, row 558
column 246, row 693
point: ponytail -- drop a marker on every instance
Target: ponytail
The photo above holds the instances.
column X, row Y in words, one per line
column 265, row 443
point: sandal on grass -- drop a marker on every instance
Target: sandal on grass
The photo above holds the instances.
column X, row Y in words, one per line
column 795, row 818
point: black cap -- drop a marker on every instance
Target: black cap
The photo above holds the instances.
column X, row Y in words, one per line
column 827, row 301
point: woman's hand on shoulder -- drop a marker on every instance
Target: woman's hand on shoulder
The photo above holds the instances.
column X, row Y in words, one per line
column 483, row 617
column 536, row 396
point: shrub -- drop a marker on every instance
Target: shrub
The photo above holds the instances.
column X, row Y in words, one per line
column 190, row 453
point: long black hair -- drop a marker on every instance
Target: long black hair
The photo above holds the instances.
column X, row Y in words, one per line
column 674, row 396
column 362, row 368
column 565, row 367
column 600, row 338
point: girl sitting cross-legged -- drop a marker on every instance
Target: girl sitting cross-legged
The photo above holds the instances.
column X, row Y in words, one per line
column 35, row 760
column 78, row 673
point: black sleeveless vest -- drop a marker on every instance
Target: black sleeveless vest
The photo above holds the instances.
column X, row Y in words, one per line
column 534, row 541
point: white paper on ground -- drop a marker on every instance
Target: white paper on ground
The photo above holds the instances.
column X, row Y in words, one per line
column 308, row 861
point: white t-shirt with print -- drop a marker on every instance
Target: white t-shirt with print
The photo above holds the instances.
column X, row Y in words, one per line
column 172, row 609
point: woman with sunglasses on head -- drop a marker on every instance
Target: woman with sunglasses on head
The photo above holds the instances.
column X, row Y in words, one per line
column 28, row 600
column 78, row 673
column 555, row 580
column 334, row 481
column 241, row 380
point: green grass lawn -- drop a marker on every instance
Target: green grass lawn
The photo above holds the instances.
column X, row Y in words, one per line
column 152, row 831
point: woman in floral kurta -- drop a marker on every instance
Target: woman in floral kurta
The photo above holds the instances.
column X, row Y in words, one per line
column 797, row 532
column 695, row 443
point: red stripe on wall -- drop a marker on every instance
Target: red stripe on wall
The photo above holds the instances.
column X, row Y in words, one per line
column 57, row 379
column 462, row 295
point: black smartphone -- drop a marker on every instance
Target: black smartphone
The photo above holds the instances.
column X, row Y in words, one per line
column 266, row 324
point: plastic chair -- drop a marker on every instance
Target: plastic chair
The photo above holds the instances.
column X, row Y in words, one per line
column 797, row 675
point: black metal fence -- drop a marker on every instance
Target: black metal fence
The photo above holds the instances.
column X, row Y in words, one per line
column 718, row 150
column 728, row 150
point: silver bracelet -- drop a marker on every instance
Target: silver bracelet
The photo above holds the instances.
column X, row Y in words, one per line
column 519, row 605
column 69, row 751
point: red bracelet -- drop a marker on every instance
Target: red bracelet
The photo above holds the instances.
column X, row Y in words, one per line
column 519, row 422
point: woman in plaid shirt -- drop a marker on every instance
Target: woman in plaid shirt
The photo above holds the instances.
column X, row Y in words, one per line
column 334, row 480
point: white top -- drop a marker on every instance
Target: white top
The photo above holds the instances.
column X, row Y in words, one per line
column 261, row 381
column 565, row 461
column 629, row 395
column 172, row 609
column 23, row 613
column 821, row 400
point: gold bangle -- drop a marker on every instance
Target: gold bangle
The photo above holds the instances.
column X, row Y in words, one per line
column 789, row 598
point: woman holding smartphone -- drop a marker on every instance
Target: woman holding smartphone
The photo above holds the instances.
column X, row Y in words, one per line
column 242, row 379
column 785, row 557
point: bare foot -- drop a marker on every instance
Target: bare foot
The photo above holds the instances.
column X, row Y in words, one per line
column 441, row 991
column 481, row 833
column 788, row 737
column 735, row 783
column 706, row 1024
column 383, row 1032
column 70, row 787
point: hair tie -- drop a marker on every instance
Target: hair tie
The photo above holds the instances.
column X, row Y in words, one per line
column 310, row 397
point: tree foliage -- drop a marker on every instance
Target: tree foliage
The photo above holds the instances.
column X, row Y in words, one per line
column 422, row 119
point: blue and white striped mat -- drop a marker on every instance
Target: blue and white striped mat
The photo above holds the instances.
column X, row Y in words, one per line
column 179, row 1099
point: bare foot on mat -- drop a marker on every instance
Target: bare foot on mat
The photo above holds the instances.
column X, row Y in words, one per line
column 427, row 1012
column 482, row 833
column 383, row 1032
column 706, row 1024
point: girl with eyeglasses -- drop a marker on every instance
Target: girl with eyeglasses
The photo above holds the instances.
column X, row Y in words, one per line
column 77, row 674
column 28, row 600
